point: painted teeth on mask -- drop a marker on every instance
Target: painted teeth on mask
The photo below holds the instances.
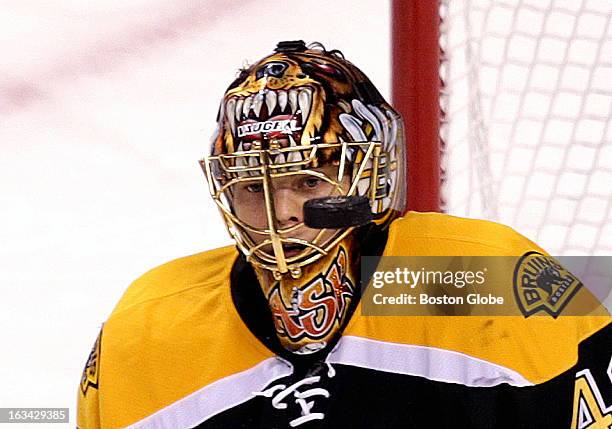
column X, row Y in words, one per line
column 305, row 98
column 280, row 159
column 246, row 106
column 238, row 108
column 293, row 103
column 257, row 103
column 270, row 102
column 240, row 161
column 253, row 163
column 238, row 113
column 293, row 156
column 282, row 100
column 229, row 112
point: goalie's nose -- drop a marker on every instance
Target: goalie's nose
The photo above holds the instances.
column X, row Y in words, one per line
column 288, row 208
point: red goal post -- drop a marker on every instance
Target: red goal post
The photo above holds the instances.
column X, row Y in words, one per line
column 416, row 94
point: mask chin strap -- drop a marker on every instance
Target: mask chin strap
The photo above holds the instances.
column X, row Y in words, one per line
column 277, row 245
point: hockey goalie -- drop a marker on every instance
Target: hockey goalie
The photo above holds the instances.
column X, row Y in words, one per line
column 307, row 168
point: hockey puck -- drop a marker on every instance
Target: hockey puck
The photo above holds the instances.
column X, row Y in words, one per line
column 337, row 212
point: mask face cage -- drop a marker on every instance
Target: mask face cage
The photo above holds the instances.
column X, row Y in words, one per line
column 357, row 169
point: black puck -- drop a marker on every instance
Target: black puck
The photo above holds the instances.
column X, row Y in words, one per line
column 337, row 212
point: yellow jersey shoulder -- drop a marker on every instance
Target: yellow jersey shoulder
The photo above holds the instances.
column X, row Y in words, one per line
column 177, row 322
column 209, row 267
column 442, row 234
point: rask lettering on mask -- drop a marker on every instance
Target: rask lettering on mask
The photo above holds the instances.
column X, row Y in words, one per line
column 322, row 304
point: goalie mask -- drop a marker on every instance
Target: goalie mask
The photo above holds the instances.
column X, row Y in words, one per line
column 306, row 150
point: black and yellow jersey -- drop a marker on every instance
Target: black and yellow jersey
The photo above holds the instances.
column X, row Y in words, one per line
column 190, row 344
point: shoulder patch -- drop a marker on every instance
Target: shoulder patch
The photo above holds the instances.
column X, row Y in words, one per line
column 542, row 284
column 91, row 370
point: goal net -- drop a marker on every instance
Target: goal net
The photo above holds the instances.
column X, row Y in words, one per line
column 527, row 135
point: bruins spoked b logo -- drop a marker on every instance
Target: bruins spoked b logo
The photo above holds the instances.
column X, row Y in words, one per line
column 542, row 284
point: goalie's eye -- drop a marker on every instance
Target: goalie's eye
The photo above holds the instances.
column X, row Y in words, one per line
column 254, row 188
column 311, row 182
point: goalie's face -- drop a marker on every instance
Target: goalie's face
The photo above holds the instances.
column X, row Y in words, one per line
column 288, row 195
column 265, row 212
